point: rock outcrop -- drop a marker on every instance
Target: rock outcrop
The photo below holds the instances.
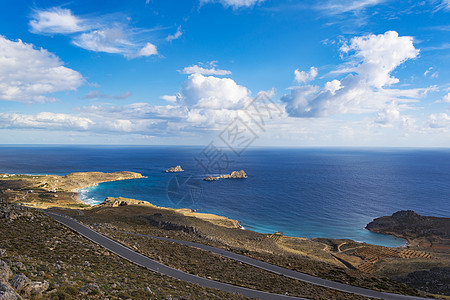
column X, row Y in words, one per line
column 116, row 202
column 7, row 292
column 21, row 283
column 174, row 169
column 5, row 271
column 417, row 229
column 234, row 175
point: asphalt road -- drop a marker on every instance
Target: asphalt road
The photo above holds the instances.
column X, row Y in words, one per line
column 153, row 265
column 144, row 261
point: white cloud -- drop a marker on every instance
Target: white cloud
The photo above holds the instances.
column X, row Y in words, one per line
column 56, row 20
column 373, row 58
column 377, row 56
column 444, row 4
column 210, row 70
column 235, row 4
column 439, row 121
column 445, row 99
column 344, row 6
column 388, row 116
column 94, row 34
column 303, row 77
column 148, row 50
column 169, row 98
column 98, row 95
column 28, row 74
column 431, row 73
column 45, row 120
column 210, row 92
column 175, row 36
column 110, row 40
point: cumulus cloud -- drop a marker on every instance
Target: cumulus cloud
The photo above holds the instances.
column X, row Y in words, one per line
column 303, row 77
column 445, row 99
column 439, row 121
column 209, row 70
column 148, row 50
column 372, row 59
column 175, row 36
column 390, row 116
column 28, row 74
column 211, row 92
column 169, row 98
column 56, row 20
column 235, row 4
column 98, row 95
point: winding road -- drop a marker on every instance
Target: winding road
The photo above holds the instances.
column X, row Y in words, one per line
column 153, row 265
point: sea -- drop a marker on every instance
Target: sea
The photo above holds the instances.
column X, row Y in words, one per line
column 306, row 192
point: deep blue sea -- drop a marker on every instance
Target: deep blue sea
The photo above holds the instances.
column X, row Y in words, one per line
column 301, row 192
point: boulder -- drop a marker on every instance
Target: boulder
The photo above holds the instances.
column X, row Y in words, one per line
column 5, row 271
column 90, row 287
column 21, row 283
column 210, row 178
column 7, row 292
column 38, row 287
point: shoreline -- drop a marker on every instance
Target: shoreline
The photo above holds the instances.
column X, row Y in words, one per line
column 196, row 213
column 77, row 200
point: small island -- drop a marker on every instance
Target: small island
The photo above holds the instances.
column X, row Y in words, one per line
column 174, row 169
column 235, row 175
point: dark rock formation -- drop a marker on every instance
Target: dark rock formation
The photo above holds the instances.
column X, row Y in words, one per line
column 175, row 169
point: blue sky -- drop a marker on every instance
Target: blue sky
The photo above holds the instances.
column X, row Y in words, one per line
column 347, row 73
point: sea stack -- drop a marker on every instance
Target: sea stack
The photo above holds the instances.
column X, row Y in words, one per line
column 174, row 169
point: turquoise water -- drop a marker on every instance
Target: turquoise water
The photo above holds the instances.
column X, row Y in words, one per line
column 301, row 192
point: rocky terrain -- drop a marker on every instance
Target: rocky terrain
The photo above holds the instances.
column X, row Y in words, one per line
column 418, row 230
column 235, row 175
column 33, row 234
column 174, row 169
column 42, row 259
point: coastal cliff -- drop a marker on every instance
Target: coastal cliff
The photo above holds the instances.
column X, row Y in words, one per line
column 235, row 175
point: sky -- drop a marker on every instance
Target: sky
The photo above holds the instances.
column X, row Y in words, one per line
column 361, row 73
